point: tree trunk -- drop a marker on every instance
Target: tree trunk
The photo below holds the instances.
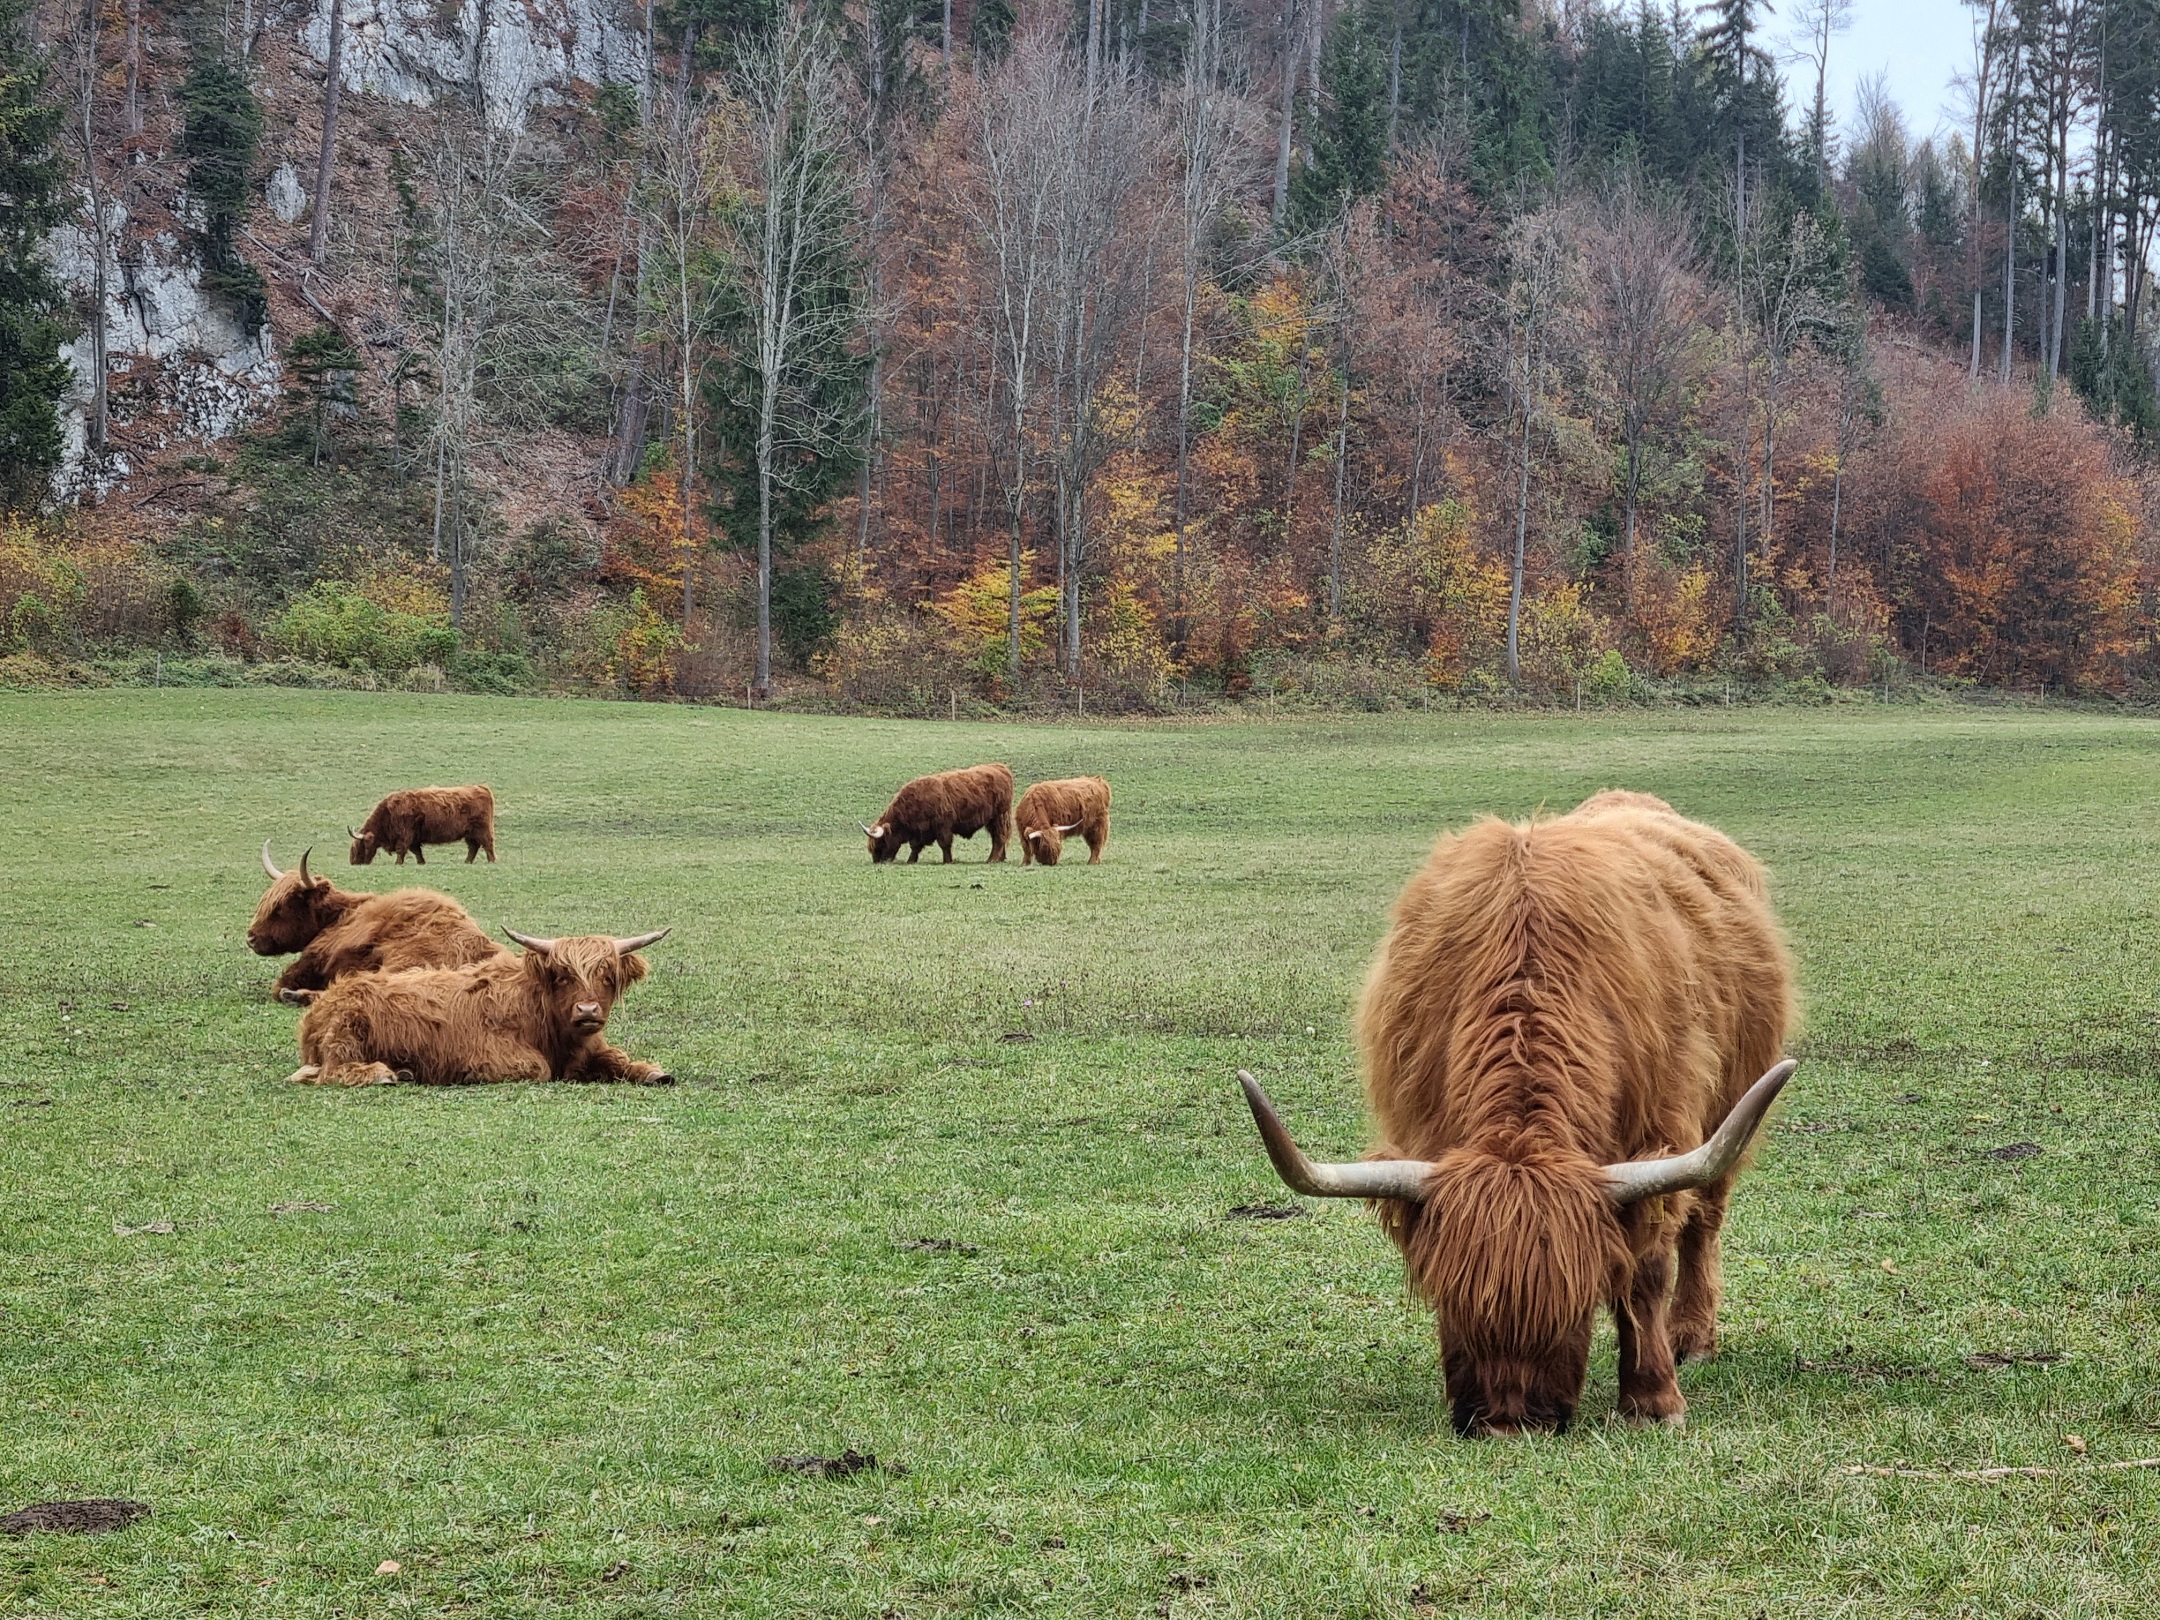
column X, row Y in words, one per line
column 319, row 229
column 1522, row 539
column 2010, row 267
column 1342, row 461
column 134, row 67
column 1287, row 125
column 1627, row 545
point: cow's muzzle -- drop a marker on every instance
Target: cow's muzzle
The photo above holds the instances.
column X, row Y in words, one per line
column 588, row 1016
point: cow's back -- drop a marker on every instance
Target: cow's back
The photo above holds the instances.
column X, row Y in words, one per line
column 1617, row 970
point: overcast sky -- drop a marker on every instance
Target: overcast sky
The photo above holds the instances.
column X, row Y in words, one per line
column 1919, row 44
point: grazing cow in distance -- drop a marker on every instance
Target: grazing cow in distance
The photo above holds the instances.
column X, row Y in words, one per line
column 338, row 932
column 406, row 820
column 937, row 809
column 1050, row 810
column 540, row 1016
column 1562, row 1015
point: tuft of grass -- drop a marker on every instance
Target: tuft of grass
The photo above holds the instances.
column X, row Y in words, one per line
column 952, row 1175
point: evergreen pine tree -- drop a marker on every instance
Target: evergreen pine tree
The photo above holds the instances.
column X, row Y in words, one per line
column 33, row 306
column 1346, row 155
column 223, row 130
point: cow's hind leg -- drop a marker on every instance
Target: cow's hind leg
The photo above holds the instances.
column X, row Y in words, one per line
column 472, row 851
column 347, row 1074
column 1649, row 1393
column 945, row 848
column 1701, row 1284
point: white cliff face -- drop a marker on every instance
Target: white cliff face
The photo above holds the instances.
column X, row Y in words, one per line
column 178, row 361
column 510, row 53
column 288, row 199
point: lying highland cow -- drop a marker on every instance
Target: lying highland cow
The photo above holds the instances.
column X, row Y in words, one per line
column 1050, row 810
column 338, row 932
column 937, row 809
column 542, row 1016
column 1562, row 1015
column 406, row 820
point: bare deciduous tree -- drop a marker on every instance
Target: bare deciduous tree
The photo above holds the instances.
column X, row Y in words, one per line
column 1542, row 268
column 791, row 249
column 1016, row 130
column 685, row 180
column 1646, row 305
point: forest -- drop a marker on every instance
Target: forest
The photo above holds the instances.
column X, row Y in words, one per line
column 912, row 354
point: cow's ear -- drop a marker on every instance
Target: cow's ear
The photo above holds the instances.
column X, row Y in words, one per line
column 633, row 968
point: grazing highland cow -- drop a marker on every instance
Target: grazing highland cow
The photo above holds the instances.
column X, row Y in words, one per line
column 937, row 809
column 1050, row 810
column 338, row 932
column 412, row 817
column 1562, row 1014
column 542, row 1016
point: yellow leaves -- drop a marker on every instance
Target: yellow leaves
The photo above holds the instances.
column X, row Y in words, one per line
column 1675, row 612
column 405, row 586
column 979, row 612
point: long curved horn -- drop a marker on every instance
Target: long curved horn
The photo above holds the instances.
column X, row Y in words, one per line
column 545, row 947
column 304, row 854
column 349, row 833
column 269, row 865
column 1070, row 826
column 868, row 830
column 1369, row 1178
column 1632, row 1182
column 637, row 942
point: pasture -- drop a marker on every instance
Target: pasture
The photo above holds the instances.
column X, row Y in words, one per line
column 951, row 1175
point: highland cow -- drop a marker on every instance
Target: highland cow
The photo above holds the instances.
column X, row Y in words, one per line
column 1050, row 810
column 1562, row 1014
column 338, row 932
column 405, row 821
column 541, row 1016
column 937, row 809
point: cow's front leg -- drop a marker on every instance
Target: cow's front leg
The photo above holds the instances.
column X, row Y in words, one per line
column 472, row 852
column 419, row 854
column 1649, row 1393
column 608, row 1065
column 304, row 973
column 945, row 848
column 1695, row 1295
column 348, row 1074
column 914, row 853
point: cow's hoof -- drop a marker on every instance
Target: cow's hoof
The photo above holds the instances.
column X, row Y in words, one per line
column 393, row 1077
column 1694, row 1343
column 655, row 1077
column 1659, row 1414
column 298, row 998
column 306, row 1075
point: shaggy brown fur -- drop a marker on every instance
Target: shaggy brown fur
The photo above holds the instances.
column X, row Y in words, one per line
column 1555, row 996
column 937, row 809
column 338, row 932
column 411, row 817
column 540, row 1016
column 1050, row 810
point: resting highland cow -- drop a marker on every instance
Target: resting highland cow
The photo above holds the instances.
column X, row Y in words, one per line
column 937, row 809
column 1050, row 810
column 1560, row 1017
column 411, row 817
column 542, row 1016
column 338, row 933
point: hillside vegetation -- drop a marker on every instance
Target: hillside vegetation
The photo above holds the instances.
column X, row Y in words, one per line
column 1133, row 353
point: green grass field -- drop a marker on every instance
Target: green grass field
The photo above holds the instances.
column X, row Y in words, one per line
column 949, row 1175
